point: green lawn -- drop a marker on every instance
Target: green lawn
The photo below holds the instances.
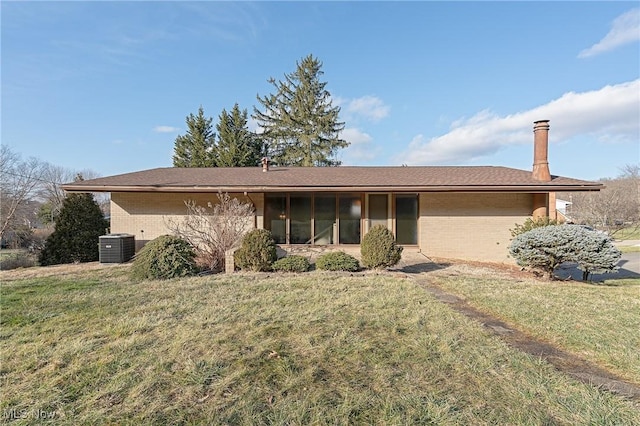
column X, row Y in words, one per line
column 317, row 348
column 631, row 233
column 598, row 322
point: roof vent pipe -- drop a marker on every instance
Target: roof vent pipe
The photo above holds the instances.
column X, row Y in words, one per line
column 540, row 151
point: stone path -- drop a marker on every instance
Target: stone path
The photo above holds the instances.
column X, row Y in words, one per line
column 580, row 369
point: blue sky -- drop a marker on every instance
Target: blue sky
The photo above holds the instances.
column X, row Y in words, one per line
column 106, row 86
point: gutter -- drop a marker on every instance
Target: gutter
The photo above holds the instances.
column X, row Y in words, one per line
column 409, row 189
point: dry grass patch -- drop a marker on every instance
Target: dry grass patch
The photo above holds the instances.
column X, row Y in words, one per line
column 317, row 348
column 599, row 323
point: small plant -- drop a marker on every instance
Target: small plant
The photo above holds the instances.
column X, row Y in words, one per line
column 257, row 252
column 163, row 258
column 293, row 263
column 530, row 224
column 379, row 249
column 19, row 260
column 337, row 261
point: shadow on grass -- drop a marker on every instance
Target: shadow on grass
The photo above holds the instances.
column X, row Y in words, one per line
column 623, row 277
column 418, row 268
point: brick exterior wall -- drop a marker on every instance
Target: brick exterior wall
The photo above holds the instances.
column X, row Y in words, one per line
column 145, row 214
column 470, row 226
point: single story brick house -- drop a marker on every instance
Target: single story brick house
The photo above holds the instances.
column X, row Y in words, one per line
column 462, row 212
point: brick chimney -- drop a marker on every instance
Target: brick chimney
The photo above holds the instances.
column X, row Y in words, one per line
column 542, row 201
column 265, row 164
column 540, row 151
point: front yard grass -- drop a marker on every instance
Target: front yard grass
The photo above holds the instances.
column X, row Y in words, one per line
column 317, row 348
column 599, row 323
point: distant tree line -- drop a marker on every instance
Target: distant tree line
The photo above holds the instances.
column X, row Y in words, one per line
column 31, row 197
column 298, row 126
column 614, row 208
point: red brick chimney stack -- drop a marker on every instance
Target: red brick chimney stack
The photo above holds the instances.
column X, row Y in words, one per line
column 540, row 151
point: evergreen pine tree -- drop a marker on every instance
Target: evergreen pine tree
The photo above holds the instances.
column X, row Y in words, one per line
column 301, row 126
column 237, row 146
column 196, row 147
column 75, row 238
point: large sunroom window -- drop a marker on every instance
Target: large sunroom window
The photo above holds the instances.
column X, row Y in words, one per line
column 407, row 219
column 329, row 218
column 275, row 216
column 350, row 214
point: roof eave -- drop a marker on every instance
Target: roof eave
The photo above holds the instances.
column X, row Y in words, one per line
column 298, row 188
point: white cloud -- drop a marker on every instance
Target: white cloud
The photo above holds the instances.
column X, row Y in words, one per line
column 165, row 129
column 625, row 29
column 369, row 107
column 361, row 148
column 610, row 114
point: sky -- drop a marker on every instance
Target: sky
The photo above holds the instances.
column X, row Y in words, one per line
column 107, row 86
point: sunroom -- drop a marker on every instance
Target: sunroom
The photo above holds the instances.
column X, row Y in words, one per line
column 328, row 218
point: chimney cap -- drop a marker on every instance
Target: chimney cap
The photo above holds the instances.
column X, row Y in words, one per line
column 541, row 124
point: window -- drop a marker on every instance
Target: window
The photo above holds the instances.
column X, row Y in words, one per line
column 314, row 218
column 300, row 213
column 275, row 216
column 407, row 219
column 324, row 218
column 350, row 214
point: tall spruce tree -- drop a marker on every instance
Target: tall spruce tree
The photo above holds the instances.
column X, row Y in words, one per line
column 196, row 148
column 237, row 146
column 301, row 126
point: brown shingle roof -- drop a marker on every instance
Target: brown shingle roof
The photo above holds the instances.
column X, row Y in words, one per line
column 344, row 178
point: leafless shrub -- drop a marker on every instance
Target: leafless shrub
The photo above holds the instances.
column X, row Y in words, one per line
column 214, row 229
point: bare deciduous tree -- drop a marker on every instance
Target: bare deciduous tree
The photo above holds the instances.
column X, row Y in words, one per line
column 19, row 180
column 51, row 193
column 214, row 229
column 616, row 207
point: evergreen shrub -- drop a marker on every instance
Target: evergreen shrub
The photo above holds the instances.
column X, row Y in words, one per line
column 77, row 231
column 257, row 252
column 163, row 258
column 337, row 261
column 530, row 224
column 548, row 247
column 293, row 263
column 379, row 248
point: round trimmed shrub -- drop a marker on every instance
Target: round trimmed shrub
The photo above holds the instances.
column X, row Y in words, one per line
column 379, row 249
column 293, row 263
column 163, row 258
column 337, row 261
column 257, row 252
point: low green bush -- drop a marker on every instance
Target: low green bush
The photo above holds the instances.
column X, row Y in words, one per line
column 530, row 224
column 163, row 258
column 337, row 261
column 19, row 260
column 379, row 249
column 293, row 263
column 257, row 252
